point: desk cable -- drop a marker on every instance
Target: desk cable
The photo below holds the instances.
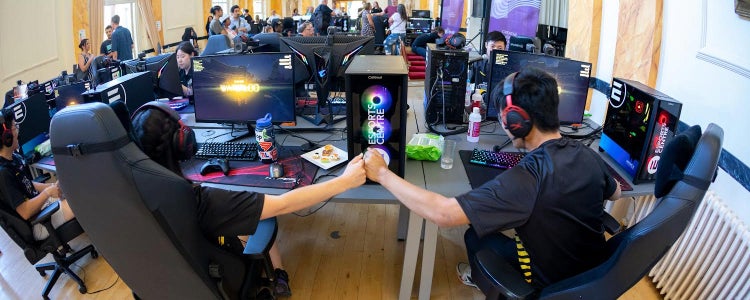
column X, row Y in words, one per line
column 83, row 279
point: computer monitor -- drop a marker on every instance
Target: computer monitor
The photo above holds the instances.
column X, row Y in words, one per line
column 32, row 117
column 69, row 95
column 323, row 60
column 420, row 25
column 243, row 88
column 49, row 88
column 164, row 70
column 521, row 43
column 572, row 79
column 420, row 13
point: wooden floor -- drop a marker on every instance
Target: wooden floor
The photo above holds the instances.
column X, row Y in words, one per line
column 344, row 251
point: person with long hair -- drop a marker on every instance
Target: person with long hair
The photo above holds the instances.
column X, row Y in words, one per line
column 368, row 25
column 397, row 23
column 226, row 213
column 84, row 60
column 208, row 24
column 184, row 55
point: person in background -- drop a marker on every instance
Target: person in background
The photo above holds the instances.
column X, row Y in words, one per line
column 84, row 60
column 216, row 26
column 227, row 213
column 18, row 192
column 295, row 12
column 397, row 24
column 246, row 15
column 189, row 35
column 238, row 23
column 376, row 9
column 184, row 55
column 267, row 29
column 321, row 18
column 368, row 26
column 306, row 29
column 553, row 198
column 273, row 17
column 419, row 45
column 309, row 11
column 122, row 41
column 106, row 46
column 208, row 24
column 480, row 69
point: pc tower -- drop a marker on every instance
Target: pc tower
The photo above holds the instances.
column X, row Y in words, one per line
column 445, row 85
column 376, row 102
column 135, row 89
column 640, row 122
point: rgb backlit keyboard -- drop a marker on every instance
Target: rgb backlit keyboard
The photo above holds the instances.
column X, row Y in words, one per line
column 230, row 151
column 500, row 160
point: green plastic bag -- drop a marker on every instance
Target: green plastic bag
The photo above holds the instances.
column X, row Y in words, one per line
column 425, row 146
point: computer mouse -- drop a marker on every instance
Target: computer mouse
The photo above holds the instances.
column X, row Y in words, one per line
column 276, row 170
column 215, row 165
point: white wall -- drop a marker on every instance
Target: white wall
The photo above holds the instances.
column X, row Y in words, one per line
column 176, row 15
column 712, row 88
column 30, row 49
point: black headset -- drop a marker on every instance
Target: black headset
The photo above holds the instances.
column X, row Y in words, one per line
column 515, row 119
column 6, row 117
column 184, row 144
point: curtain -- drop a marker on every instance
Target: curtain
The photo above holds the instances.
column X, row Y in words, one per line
column 554, row 13
column 147, row 16
column 96, row 24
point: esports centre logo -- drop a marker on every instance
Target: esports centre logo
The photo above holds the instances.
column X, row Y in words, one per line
column 376, row 129
column 19, row 112
column 657, row 144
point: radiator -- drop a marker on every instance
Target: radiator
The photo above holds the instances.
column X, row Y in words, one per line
column 711, row 260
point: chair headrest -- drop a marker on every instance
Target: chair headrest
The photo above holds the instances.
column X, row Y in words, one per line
column 674, row 159
column 98, row 129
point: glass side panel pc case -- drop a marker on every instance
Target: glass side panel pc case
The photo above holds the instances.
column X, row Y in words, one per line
column 243, row 88
column 640, row 122
column 572, row 80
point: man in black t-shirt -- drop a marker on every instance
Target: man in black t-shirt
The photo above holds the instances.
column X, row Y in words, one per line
column 106, row 47
column 419, row 45
column 480, row 69
column 321, row 18
column 553, row 198
column 19, row 194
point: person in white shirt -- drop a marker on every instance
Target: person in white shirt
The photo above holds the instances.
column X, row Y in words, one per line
column 237, row 22
column 397, row 23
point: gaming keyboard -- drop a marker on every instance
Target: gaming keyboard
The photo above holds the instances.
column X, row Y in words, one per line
column 230, row 151
column 500, row 160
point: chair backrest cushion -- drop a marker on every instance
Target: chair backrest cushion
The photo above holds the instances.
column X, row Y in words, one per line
column 140, row 216
column 674, row 159
column 215, row 44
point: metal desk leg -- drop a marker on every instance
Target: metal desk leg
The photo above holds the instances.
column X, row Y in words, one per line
column 410, row 256
column 403, row 220
column 428, row 259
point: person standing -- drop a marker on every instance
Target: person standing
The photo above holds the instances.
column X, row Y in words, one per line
column 122, row 41
column 84, row 61
column 368, row 25
column 106, row 47
column 397, row 24
column 322, row 17
column 216, row 26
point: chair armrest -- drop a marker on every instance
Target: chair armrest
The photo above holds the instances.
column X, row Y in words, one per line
column 611, row 225
column 498, row 279
column 46, row 213
column 261, row 240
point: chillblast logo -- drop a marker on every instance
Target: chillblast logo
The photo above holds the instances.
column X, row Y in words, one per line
column 658, row 143
column 374, row 77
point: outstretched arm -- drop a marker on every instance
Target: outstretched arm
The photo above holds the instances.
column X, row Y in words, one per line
column 432, row 206
column 297, row 199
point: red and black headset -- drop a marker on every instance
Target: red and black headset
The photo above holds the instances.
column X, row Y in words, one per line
column 6, row 117
column 184, row 144
column 515, row 119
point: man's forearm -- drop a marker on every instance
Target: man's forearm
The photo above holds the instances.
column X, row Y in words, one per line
column 430, row 205
column 300, row 198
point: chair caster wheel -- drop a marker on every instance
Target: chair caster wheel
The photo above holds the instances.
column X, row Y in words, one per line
column 94, row 254
column 82, row 289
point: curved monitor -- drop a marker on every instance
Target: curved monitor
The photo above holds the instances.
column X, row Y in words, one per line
column 342, row 50
column 243, row 88
column 164, row 70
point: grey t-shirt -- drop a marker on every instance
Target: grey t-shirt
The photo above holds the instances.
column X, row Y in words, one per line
column 216, row 27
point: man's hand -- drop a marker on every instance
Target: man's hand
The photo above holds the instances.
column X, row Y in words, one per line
column 52, row 190
column 374, row 164
column 355, row 172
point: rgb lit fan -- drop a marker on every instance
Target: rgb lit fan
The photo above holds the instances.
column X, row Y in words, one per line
column 376, row 97
column 376, row 131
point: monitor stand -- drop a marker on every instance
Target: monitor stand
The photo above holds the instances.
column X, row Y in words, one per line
column 250, row 132
column 322, row 117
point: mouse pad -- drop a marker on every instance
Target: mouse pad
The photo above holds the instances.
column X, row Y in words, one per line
column 477, row 174
column 297, row 171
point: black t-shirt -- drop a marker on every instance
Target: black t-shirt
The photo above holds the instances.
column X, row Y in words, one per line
column 322, row 16
column 554, row 199
column 228, row 213
column 16, row 185
column 106, row 47
column 186, row 78
column 422, row 40
column 479, row 72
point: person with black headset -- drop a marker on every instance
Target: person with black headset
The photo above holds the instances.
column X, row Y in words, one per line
column 553, row 198
column 18, row 192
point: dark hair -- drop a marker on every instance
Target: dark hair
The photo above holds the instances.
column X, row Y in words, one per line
column 108, row 27
column 153, row 130
column 231, row 10
column 439, row 30
column 215, row 9
column 495, row 36
column 401, row 9
column 189, row 34
column 536, row 92
column 116, row 19
column 83, row 42
column 302, row 26
column 188, row 48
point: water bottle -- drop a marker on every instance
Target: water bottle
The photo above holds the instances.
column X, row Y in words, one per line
column 266, row 140
column 475, row 121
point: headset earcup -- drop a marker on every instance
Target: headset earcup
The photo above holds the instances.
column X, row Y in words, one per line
column 518, row 125
column 7, row 136
column 184, row 142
